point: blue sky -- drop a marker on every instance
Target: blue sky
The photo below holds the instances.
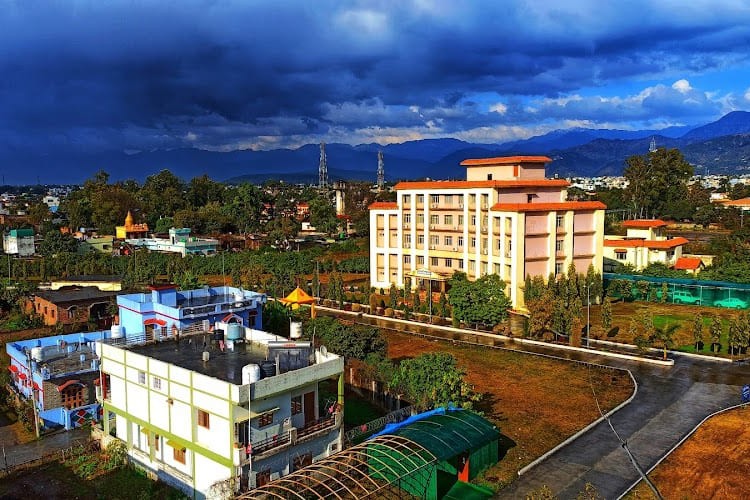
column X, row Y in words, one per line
column 140, row 75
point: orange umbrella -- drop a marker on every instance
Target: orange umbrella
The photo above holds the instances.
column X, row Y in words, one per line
column 297, row 297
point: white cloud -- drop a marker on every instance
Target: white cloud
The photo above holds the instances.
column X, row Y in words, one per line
column 499, row 108
column 682, row 86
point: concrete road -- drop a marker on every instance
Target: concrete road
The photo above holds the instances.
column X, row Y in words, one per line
column 21, row 453
column 668, row 404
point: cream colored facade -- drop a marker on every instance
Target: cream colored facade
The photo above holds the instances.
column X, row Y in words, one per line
column 505, row 219
column 645, row 243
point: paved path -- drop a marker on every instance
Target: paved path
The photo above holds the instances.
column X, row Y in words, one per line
column 669, row 403
column 21, row 453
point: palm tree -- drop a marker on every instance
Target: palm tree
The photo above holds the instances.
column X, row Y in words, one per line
column 664, row 335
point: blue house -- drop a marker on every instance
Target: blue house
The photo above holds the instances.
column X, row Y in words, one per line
column 61, row 372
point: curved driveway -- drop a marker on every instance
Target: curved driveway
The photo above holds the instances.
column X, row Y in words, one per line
column 669, row 403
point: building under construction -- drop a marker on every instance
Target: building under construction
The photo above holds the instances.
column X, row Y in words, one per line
column 432, row 455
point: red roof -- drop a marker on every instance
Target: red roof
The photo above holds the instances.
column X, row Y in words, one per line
column 383, row 205
column 688, row 263
column 549, row 207
column 644, row 223
column 655, row 244
column 155, row 321
column 13, row 368
column 505, row 160
column 742, row 202
column 621, row 250
column 521, row 183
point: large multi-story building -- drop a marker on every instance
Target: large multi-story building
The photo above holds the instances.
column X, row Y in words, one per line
column 235, row 412
column 506, row 218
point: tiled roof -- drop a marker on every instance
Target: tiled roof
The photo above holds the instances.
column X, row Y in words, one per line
column 483, row 184
column 742, row 202
column 655, row 244
column 644, row 223
column 549, row 207
column 687, row 263
column 383, row 205
column 505, row 160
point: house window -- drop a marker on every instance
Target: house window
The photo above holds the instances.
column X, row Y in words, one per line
column 434, row 240
column 300, row 461
column 448, row 262
column 265, row 419
column 473, row 220
column 407, row 259
column 434, row 219
column 460, row 241
column 420, row 260
column 297, row 405
column 203, row 419
column 407, row 218
column 420, row 239
column 559, row 245
column 472, row 266
column 157, row 383
column 558, row 267
column 420, row 218
column 141, row 377
column 72, row 396
column 449, row 241
column 461, row 220
column 434, row 262
column 473, row 242
column 621, row 255
column 460, row 263
column 179, row 455
column 448, row 220
column 407, row 240
column 420, row 198
column 559, row 221
column 406, row 199
column 435, row 198
column 484, row 268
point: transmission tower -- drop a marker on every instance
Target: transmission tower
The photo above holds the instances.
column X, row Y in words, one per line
column 381, row 171
column 323, row 167
column 652, row 146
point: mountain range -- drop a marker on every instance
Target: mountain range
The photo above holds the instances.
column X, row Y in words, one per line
column 722, row 146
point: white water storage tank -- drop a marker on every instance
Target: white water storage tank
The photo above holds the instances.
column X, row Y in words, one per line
column 235, row 331
column 250, row 374
column 116, row 332
column 37, row 354
column 295, row 330
column 206, row 356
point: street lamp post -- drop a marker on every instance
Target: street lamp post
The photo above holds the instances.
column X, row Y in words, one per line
column 588, row 313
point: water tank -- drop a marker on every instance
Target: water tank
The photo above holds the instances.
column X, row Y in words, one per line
column 37, row 354
column 268, row 369
column 116, row 332
column 250, row 374
column 206, row 355
column 218, row 335
column 295, row 330
column 235, row 331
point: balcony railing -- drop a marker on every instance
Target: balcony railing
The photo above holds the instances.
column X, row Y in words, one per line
column 292, row 436
column 316, row 425
column 270, row 443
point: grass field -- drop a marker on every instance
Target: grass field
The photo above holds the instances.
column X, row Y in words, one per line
column 713, row 463
column 536, row 402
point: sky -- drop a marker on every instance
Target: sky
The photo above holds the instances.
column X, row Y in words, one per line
column 91, row 76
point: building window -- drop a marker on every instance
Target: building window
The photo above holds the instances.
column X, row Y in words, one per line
column 559, row 221
column 297, row 405
column 435, row 198
column 485, row 200
column 407, row 240
column 420, row 260
column 460, row 241
column 496, row 268
column 406, row 199
column 434, row 219
column 473, row 220
column 157, row 383
column 558, row 267
column 448, row 220
column 621, row 255
column 434, row 262
column 407, row 218
column 473, row 242
column 448, row 241
column 179, row 455
column 141, row 377
column 420, row 218
column 265, row 419
column 559, row 245
column 72, row 396
column 448, row 199
column 420, row 199
column 407, row 259
column 460, row 220
column 300, row 461
column 420, row 239
column 460, row 263
column 434, row 240
column 472, row 266
column 448, row 262
column 156, row 442
column 262, row 478
column 203, row 419
column 484, row 268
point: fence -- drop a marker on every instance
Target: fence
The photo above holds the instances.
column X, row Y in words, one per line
column 78, row 448
column 358, row 433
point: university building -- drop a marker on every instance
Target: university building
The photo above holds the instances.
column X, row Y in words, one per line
column 506, row 218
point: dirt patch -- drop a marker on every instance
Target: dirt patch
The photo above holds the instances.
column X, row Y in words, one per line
column 713, row 463
column 536, row 402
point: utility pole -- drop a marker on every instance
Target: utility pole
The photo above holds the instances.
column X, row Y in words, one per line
column 33, row 393
column 588, row 313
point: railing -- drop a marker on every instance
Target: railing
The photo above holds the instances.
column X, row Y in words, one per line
column 270, row 443
column 316, row 425
column 377, row 424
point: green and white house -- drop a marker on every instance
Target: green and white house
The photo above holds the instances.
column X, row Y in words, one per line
column 212, row 414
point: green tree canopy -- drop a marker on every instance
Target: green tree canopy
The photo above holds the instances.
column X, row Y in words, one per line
column 355, row 341
column 658, row 184
column 479, row 302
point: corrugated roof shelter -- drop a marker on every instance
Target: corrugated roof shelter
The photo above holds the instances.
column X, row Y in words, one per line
column 431, row 455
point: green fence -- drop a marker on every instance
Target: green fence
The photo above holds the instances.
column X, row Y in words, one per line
column 678, row 290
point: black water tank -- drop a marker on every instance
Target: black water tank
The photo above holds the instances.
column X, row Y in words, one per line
column 218, row 334
column 268, row 369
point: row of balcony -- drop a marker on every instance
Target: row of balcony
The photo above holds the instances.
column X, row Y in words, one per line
column 289, row 437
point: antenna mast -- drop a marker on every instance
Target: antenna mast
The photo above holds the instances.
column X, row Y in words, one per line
column 381, row 171
column 323, row 167
column 652, row 146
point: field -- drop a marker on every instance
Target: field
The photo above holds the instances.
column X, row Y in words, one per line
column 536, row 402
column 713, row 463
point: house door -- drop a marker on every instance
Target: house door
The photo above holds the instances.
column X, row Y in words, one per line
column 309, row 407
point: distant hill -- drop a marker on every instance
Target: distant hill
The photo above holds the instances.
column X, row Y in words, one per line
column 721, row 146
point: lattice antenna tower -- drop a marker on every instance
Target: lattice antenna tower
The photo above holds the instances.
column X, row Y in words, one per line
column 323, row 167
column 381, row 171
column 652, row 146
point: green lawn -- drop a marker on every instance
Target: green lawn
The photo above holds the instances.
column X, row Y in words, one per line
column 687, row 322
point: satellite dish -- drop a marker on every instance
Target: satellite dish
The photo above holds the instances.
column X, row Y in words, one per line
column 323, row 350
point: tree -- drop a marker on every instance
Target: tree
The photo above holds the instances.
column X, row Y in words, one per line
column 55, row 243
column 657, row 184
column 607, row 313
column 356, row 341
column 480, row 302
column 715, row 331
column 433, row 379
column 323, row 215
column 162, row 195
column 665, row 336
column 697, row 331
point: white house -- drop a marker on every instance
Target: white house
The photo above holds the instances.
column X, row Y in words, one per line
column 212, row 412
column 645, row 243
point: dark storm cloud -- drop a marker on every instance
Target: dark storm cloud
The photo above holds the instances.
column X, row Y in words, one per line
column 149, row 75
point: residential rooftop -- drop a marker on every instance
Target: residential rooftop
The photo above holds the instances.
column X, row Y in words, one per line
column 74, row 295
